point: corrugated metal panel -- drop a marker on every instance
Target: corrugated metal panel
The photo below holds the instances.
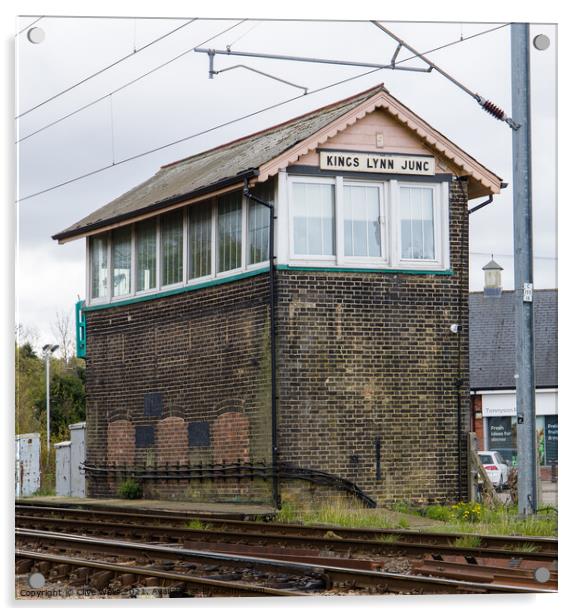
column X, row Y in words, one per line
column 27, row 467
column 77, row 459
column 63, row 468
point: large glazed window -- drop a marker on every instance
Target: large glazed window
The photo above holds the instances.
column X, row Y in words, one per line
column 172, row 248
column 362, row 221
column 99, row 266
column 417, row 223
column 146, row 254
column 313, row 219
column 229, row 232
column 121, row 257
column 200, row 240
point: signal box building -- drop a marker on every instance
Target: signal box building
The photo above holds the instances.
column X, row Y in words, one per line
column 367, row 390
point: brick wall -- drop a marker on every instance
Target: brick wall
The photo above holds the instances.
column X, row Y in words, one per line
column 164, row 377
column 370, row 355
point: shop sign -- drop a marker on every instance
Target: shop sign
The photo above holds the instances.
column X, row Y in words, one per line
column 377, row 163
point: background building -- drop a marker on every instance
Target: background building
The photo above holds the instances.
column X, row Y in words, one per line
column 492, row 370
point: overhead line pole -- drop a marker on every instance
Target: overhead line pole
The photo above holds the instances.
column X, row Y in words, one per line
column 523, row 270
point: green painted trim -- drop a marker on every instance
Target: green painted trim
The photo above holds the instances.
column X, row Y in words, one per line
column 300, row 268
column 81, row 329
column 192, row 287
column 218, row 281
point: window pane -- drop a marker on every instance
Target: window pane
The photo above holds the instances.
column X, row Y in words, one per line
column 314, row 219
column 417, row 223
column 146, row 254
column 259, row 224
column 362, row 227
column 121, row 255
column 99, row 266
column 229, row 232
column 200, row 240
column 172, row 248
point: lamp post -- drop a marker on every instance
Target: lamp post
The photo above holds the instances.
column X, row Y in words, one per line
column 48, row 350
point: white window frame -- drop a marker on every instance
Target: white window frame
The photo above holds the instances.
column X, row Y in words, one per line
column 155, row 289
column 180, row 283
column 441, row 226
column 212, row 273
column 299, row 259
column 114, row 297
column 106, row 299
column 236, row 270
column 389, row 191
column 254, row 266
column 383, row 259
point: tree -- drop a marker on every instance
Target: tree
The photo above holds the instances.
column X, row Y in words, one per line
column 62, row 329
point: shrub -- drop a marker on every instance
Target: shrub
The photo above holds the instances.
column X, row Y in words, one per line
column 130, row 489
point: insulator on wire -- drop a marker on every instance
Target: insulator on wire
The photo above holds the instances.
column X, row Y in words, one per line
column 491, row 108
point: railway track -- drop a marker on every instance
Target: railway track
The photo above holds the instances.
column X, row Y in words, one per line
column 542, row 548
column 529, row 564
column 39, row 547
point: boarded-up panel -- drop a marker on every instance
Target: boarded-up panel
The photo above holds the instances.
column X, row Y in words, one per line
column 231, row 437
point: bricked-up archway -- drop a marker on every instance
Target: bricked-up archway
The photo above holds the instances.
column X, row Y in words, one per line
column 172, row 441
column 231, row 437
column 120, row 443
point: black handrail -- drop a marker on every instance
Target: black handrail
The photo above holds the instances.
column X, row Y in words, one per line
column 237, row 470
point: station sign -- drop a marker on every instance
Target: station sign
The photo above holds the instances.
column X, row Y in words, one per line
column 377, row 162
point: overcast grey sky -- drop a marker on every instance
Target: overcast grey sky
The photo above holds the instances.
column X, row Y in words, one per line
column 180, row 100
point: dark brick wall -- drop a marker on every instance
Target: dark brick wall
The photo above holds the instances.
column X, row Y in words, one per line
column 361, row 356
column 206, row 354
column 366, row 356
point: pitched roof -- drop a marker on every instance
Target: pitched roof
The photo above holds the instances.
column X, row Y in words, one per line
column 277, row 146
column 492, row 340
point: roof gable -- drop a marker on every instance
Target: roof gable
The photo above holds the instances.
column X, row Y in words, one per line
column 481, row 181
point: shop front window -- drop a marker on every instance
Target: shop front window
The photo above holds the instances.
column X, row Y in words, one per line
column 502, row 437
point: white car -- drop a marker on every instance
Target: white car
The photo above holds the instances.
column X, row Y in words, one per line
column 495, row 467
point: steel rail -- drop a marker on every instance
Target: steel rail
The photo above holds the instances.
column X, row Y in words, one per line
column 329, row 540
column 223, row 587
column 542, row 545
column 337, row 576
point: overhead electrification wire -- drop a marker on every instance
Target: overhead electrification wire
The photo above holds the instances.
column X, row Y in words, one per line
column 500, row 254
column 125, row 85
column 106, row 68
column 229, row 122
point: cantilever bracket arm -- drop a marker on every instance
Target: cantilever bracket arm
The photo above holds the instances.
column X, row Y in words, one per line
column 254, row 70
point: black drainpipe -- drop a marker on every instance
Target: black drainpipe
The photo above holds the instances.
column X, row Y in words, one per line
column 459, row 378
column 272, row 302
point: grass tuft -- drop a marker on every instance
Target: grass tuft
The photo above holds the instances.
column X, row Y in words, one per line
column 468, row 541
column 197, row 525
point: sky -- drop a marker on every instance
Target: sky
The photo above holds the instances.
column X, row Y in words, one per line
column 180, row 100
